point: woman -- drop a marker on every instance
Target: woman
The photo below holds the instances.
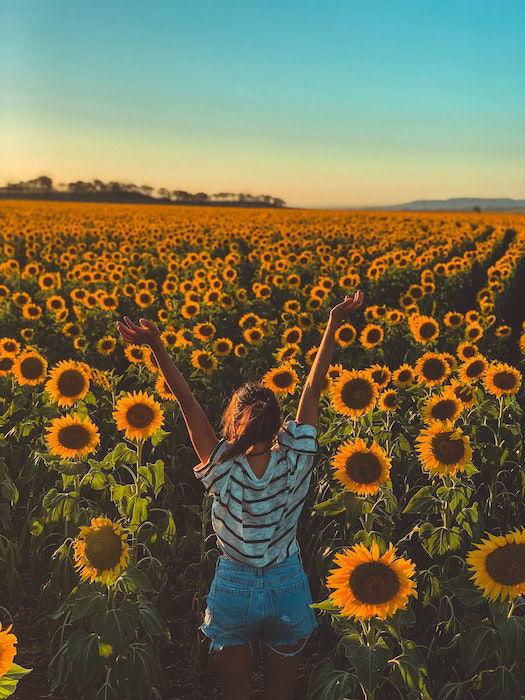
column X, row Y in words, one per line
column 260, row 589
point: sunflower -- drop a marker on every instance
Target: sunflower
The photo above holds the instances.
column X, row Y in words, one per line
column 503, row 331
column 371, row 335
column 69, row 382
column 499, row 565
column 473, row 369
column 72, row 436
column 222, row 346
column 453, row 319
column 354, row 393
column 443, row 449
column 163, row 389
column 282, row 379
column 464, row 392
column 368, row 585
column 7, row 649
column 287, row 353
column 381, row 375
column 442, row 408
column 30, row 367
column 292, row 335
column 432, row 369
column 501, row 379
column 200, row 359
column 403, row 376
column 424, row 328
column 6, row 364
column 334, row 371
column 136, row 353
column 240, row 350
column 388, row 400
column 473, row 332
column 254, row 336
column 204, row 331
column 345, row 335
column 106, row 345
column 361, row 469
column 9, row 346
column 101, row 551
column 466, row 350
column 138, row 414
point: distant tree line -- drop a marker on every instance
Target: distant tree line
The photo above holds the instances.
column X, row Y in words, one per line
column 42, row 187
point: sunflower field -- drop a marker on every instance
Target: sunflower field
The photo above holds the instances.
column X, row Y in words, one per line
column 413, row 532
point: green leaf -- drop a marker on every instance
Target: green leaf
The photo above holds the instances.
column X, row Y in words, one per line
column 327, row 604
column 370, row 661
column 158, row 436
column 477, row 643
column 328, row 683
column 9, row 680
column 117, row 626
column 412, row 669
column 420, row 501
column 512, row 632
column 464, row 590
column 138, row 579
column 500, row 685
column 455, row 691
column 150, row 620
column 439, row 540
column 87, row 601
column 153, row 475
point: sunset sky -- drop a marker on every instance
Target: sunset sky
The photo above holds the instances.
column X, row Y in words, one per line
column 327, row 103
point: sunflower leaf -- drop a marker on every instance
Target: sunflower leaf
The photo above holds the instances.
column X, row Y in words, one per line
column 369, row 661
column 87, row 602
column 9, row 680
column 329, row 683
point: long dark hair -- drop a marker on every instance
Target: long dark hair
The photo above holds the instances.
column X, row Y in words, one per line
column 252, row 415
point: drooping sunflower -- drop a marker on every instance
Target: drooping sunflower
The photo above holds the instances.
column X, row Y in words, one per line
column 30, row 368
column 443, row 449
column 442, row 408
column 7, row 649
column 403, row 376
column 354, row 393
column 423, row 328
column 368, row 585
column 498, row 564
column 68, row 383
column 282, row 379
column 473, row 369
column 138, row 414
column 72, row 436
column 361, row 469
column 388, row 400
column 432, row 369
column 371, row 335
column 101, row 552
column 501, row 379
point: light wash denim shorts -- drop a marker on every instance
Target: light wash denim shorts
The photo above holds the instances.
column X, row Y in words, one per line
column 249, row 602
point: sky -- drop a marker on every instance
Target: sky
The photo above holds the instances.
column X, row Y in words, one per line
column 324, row 104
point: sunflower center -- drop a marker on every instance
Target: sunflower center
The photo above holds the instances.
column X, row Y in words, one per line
column 427, row 330
column 454, row 320
column 469, row 351
column 357, row 393
column 464, row 394
column 346, row 334
column 374, row 583
column 139, row 415
column 506, row 564
column 6, row 363
column 404, row 375
column 433, row 368
column 292, row 337
column 475, row 368
column 444, row 409
column 282, row 379
column 447, row 451
column 504, row 380
column 205, row 361
column 74, row 437
column 31, row 367
column 103, row 548
column 363, row 467
column 71, row 383
column 379, row 376
column 390, row 400
column 373, row 335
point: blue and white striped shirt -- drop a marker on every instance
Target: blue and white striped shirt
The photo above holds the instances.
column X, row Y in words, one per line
column 255, row 520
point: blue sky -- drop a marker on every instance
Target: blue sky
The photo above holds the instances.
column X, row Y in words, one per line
column 320, row 103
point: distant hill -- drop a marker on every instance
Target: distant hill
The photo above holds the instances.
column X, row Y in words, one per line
column 456, row 204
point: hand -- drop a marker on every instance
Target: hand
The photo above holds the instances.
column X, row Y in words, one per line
column 339, row 312
column 145, row 334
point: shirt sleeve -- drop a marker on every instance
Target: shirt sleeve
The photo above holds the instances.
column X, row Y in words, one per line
column 299, row 440
column 211, row 473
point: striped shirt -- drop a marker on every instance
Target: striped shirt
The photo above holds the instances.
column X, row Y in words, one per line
column 255, row 520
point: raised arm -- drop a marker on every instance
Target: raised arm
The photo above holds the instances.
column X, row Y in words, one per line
column 308, row 408
column 201, row 433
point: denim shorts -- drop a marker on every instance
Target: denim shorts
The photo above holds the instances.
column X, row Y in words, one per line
column 248, row 602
